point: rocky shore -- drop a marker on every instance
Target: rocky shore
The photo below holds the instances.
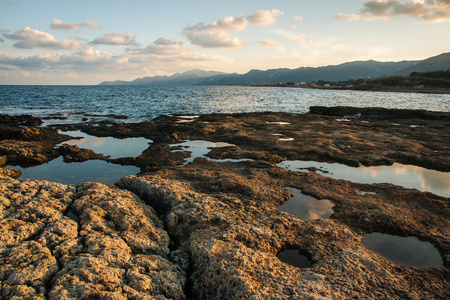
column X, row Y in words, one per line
column 211, row 229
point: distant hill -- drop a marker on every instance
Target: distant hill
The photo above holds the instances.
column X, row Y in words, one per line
column 189, row 77
column 435, row 63
column 350, row 70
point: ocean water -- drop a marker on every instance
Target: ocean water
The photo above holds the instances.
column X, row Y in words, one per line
column 143, row 103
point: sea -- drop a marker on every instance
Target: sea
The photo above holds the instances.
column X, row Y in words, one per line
column 143, row 103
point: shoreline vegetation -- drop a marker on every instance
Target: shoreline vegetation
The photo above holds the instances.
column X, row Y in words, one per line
column 433, row 82
column 211, row 229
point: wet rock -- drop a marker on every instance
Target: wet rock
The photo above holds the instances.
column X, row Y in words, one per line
column 75, row 154
column 28, row 145
column 26, row 120
column 27, row 152
column 379, row 112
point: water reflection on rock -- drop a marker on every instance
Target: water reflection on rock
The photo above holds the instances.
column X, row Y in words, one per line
column 407, row 176
column 407, row 251
column 307, row 207
column 109, row 146
column 77, row 173
column 199, row 148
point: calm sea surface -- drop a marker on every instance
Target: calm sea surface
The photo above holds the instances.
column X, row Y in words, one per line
column 142, row 103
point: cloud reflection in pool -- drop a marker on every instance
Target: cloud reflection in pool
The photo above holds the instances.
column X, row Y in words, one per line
column 407, row 251
column 407, row 176
column 109, row 146
column 307, row 207
column 78, row 172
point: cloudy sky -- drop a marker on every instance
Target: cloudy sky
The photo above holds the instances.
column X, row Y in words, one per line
column 89, row 41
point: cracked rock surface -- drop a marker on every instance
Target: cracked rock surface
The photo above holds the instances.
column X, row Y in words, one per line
column 118, row 250
column 212, row 230
column 233, row 238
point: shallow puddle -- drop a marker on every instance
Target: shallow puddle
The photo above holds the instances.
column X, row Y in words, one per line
column 307, row 207
column 109, row 146
column 72, row 216
column 294, row 258
column 200, row 148
column 187, row 119
column 279, row 123
column 286, row 139
column 78, row 172
column 406, row 251
column 407, row 176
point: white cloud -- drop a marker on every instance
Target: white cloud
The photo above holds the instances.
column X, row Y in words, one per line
column 58, row 24
column 348, row 17
column 264, row 17
column 428, row 10
column 28, row 38
column 116, row 38
column 212, row 39
column 267, row 43
column 166, row 47
column 303, row 39
column 89, row 60
column 298, row 18
column 90, row 24
column 229, row 23
column 214, row 35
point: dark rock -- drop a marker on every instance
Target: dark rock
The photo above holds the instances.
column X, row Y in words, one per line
column 26, row 120
column 72, row 153
column 378, row 112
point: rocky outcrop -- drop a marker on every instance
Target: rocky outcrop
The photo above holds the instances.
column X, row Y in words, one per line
column 75, row 154
column 379, row 137
column 117, row 250
column 26, row 145
column 212, row 230
column 379, row 112
column 233, row 238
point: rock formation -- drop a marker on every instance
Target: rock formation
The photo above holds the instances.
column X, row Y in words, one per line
column 117, row 250
column 211, row 230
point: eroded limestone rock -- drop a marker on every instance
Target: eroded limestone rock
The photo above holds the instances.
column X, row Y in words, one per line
column 232, row 242
column 118, row 250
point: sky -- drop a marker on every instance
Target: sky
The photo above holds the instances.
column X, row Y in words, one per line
column 90, row 41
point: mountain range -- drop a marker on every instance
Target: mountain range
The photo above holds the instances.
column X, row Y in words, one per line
column 350, row 70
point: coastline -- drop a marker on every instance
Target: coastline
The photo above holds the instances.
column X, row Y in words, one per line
column 367, row 88
column 209, row 229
